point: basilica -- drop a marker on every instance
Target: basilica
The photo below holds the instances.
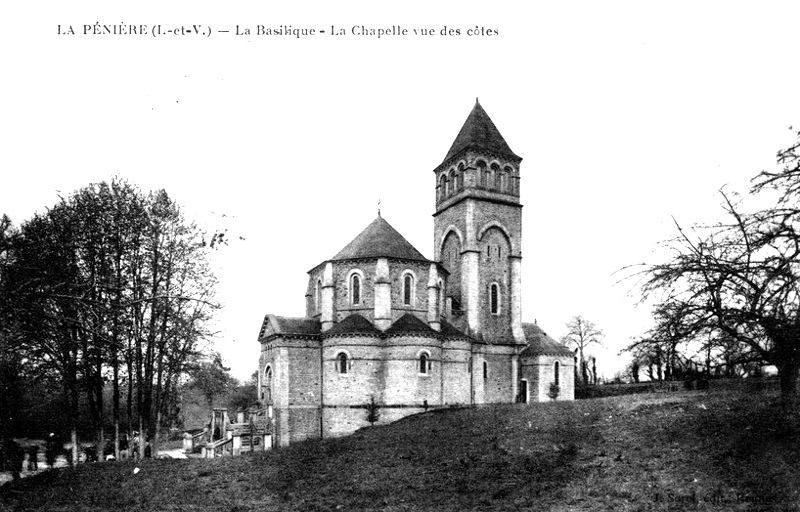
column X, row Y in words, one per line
column 389, row 333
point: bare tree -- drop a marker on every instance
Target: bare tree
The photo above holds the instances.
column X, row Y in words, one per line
column 736, row 284
column 582, row 333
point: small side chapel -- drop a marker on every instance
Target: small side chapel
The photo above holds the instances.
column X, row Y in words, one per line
column 388, row 329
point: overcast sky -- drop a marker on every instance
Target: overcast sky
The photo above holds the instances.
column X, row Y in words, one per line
column 626, row 114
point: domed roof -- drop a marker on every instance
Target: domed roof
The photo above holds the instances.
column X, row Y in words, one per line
column 379, row 240
column 479, row 133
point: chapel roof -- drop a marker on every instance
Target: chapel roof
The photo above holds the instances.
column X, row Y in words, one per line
column 479, row 133
column 353, row 324
column 410, row 324
column 298, row 326
column 379, row 240
column 451, row 331
column 539, row 343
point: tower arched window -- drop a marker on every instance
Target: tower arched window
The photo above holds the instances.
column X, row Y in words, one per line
column 355, row 289
column 510, row 179
column 341, row 363
column 556, row 367
column 408, row 290
column 494, row 180
column 454, row 181
column 483, row 174
column 423, row 363
column 503, row 182
column 442, row 181
column 494, row 298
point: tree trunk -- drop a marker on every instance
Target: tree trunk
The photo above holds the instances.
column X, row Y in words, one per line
column 115, row 400
column 789, row 376
column 129, row 406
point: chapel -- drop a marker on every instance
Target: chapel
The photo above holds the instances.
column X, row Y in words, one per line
column 389, row 333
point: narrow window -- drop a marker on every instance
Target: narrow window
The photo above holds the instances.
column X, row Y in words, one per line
column 454, row 181
column 483, row 174
column 485, row 370
column 266, row 394
column 495, row 178
column 408, row 286
column 318, row 296
column 423, row 363
column 440, row 296
column 494, row 299
column 555, row 372
column 355, row 289
column 341, row 364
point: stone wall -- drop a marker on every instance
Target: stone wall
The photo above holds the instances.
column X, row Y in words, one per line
column 539, row 371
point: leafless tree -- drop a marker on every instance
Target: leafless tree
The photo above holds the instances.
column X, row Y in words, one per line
column 736, row 284
column 582, row 333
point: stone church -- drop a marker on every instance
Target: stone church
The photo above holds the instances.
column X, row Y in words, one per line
column 387, row 326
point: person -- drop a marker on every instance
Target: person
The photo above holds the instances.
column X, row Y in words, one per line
column 33, row 457
column 52, row 450
column 123, row 446
column 15, row 456
column 91, row 453
column 135, row 445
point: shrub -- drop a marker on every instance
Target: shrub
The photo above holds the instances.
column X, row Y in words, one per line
column 554, row 391
column 373, row 412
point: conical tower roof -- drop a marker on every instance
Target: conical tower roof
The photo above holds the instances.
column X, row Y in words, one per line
column 479, row 133
column 379, row 240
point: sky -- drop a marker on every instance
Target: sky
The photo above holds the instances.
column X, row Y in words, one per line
column 629, row 117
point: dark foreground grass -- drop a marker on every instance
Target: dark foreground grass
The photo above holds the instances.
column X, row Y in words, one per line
column 717, row 450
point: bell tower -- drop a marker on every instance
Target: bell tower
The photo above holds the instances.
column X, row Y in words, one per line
column 478, row 232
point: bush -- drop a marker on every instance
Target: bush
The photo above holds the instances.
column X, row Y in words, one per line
column 554, row 391
column 373, row 413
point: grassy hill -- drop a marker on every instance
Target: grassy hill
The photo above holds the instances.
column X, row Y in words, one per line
column 713, row 450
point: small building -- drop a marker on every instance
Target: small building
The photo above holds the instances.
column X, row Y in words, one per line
column 385, row 325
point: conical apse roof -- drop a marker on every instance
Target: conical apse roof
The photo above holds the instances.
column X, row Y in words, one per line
column 379, row 240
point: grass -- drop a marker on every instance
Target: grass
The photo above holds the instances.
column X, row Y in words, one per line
column 712, row 450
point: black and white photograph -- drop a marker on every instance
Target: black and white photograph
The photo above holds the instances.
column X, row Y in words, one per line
column 400, row 256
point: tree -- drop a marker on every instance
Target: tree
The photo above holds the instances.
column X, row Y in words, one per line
column 108, row 280
column 373, row 411
column 633, row 370
column 212, row 378
column 582, row 333
column 735, row 285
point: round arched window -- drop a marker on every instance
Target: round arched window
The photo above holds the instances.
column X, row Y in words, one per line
column 355, row 289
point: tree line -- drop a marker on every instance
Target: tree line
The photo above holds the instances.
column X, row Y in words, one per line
column 730, row 292
column 109, row 287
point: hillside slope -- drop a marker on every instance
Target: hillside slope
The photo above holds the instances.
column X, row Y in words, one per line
column 718, row 450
